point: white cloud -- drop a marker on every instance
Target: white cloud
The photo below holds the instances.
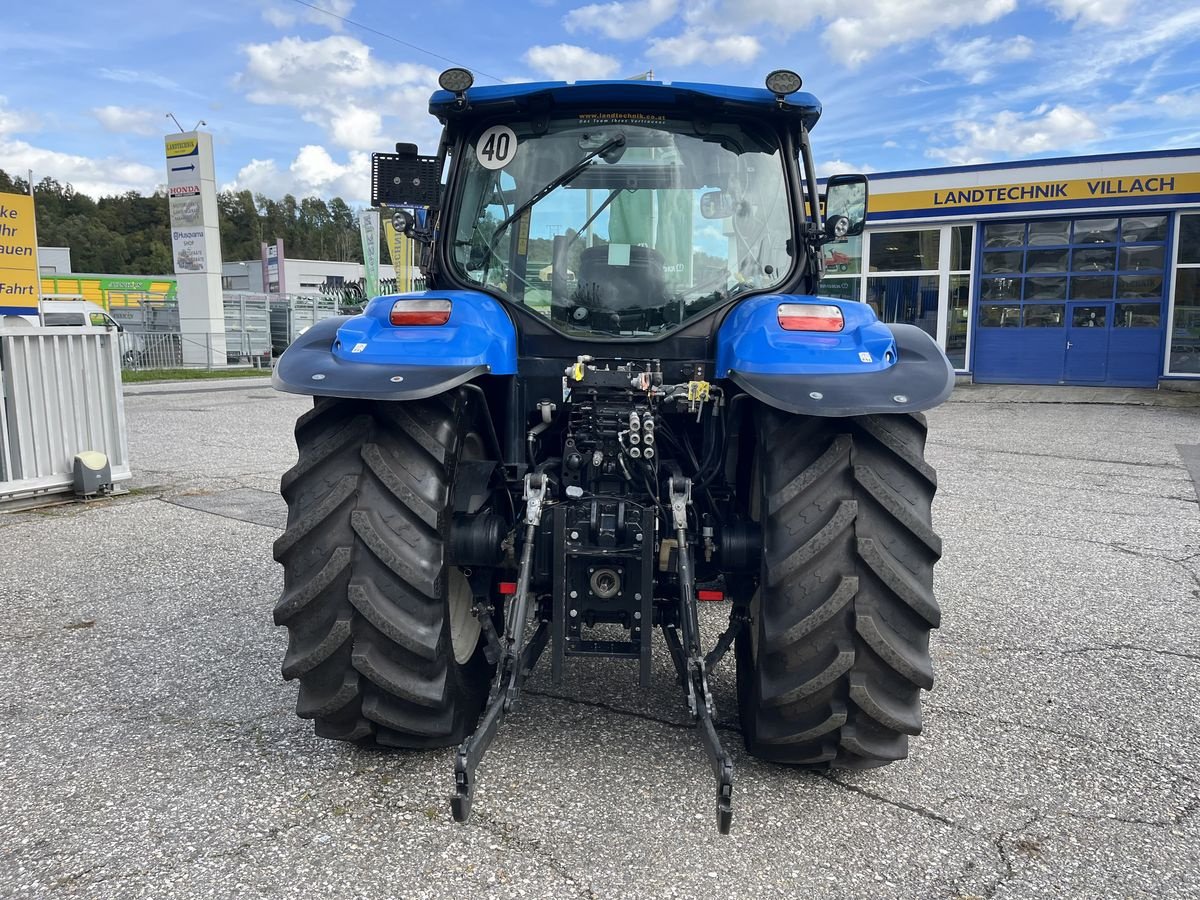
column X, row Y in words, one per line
column 854, row 29
column 136, row 76
column 15, row 121
column 1100, row 12
column 977, row 59
column 841, row 167
column 1073, row 66
column 620, row 21
column 361, row 102
column 280, row 18
column 357, row 128
column 1179, row 105
column 97, row 177
column 566, row 62
column 314, row 172
column 130, row 120
column 293, row 70
column 866, row 26
column 286, row 18
column 1008, row 134
column 694, row 44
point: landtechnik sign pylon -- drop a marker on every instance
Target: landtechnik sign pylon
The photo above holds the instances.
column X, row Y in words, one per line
column 196, row 246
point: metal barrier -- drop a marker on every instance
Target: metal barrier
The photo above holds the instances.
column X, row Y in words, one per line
column 62, row 395
column 164, row 349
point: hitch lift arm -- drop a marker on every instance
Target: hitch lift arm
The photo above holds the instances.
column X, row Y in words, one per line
column 516, row 662
column 689, row 659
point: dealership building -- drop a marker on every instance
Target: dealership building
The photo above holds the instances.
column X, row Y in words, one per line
column 1082, row 270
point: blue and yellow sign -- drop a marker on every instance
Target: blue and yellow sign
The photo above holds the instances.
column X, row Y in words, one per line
column 18, row 256
column 188, row 146
column 1067, row 193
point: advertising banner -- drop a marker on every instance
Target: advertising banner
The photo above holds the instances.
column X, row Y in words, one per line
column 187, row 246
column 19, row 282
column 368, row 223
column 272, row 262
column 404, row 257
column 109, row 291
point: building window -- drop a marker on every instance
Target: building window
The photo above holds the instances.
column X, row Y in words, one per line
column 903, row 281
column 906, row 251
column 911, row 299
column 843, row 265
column 916, row 276
column 1185, row 325
column 1102, row 259
column 958, row 318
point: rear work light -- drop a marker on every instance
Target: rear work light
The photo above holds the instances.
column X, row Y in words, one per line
column 809, row 317
column 420, row 312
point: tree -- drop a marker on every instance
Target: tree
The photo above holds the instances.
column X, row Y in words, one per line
column 130, row 234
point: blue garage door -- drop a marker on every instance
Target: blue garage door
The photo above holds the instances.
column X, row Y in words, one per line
column 1071, row 301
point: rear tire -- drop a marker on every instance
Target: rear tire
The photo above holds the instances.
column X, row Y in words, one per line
column 831, row 668
column 377, row 635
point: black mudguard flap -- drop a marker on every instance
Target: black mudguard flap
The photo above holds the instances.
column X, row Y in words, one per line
column 922, row 379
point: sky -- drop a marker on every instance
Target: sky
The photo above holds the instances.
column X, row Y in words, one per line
column 298, row 93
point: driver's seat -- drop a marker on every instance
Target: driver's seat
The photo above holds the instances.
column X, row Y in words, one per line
column 640, row 285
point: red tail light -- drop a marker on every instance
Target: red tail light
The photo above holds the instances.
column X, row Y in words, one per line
column 810, row 317
column 420, row 312
column 703, row 594
column 508, row 588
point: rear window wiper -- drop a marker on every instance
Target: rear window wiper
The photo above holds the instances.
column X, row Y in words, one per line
column 559, row 181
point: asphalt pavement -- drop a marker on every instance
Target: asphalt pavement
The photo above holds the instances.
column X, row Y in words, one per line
column 148, row 746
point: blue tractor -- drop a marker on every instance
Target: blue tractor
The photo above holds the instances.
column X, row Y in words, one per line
column 620, row 396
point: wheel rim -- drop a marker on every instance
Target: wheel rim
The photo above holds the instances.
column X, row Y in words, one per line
column 464, row 626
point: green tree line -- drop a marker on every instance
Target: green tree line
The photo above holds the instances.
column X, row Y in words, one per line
column 130, row 234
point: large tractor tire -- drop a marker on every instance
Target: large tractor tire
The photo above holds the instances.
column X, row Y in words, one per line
column 380, row 630
column 831, row 668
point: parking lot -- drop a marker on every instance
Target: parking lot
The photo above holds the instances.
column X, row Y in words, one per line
column 149, row 746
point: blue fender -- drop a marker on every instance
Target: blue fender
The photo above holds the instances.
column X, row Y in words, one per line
column 365, row 356
column 868, row 367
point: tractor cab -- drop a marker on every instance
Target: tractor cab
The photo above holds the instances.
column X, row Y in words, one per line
column 619, row 210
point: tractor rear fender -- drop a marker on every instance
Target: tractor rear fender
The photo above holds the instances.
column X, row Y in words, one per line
column 366, row 356
column 866, row 367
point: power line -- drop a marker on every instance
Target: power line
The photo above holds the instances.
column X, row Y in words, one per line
column 397, row 40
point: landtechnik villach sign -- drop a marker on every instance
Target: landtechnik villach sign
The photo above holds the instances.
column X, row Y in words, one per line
column 945, row 198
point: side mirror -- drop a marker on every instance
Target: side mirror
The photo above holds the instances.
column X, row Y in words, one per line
column 716, row 205
column 845, row 206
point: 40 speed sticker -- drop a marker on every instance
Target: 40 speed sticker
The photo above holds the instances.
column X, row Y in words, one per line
column 496, row 147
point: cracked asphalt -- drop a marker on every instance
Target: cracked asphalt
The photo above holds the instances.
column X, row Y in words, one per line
column 149, row 748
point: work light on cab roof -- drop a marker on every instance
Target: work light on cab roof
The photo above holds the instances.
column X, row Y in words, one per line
column 619, row 393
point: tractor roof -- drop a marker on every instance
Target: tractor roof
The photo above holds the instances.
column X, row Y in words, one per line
column 621, row 96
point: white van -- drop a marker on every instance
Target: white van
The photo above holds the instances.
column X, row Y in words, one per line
column 67, row 310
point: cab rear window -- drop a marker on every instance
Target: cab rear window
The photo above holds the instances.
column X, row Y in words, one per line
column 63, row 318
